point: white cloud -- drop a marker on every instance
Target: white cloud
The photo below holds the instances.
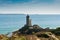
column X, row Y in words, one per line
column 31, row 7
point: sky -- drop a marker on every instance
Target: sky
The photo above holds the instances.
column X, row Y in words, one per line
column 12, row 22
column 29, row 6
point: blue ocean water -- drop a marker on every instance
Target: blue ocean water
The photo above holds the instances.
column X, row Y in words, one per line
column 13, row 22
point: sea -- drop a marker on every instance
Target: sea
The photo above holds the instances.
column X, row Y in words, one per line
column 13, row 22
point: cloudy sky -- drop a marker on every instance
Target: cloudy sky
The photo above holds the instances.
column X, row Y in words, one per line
column 30, row 6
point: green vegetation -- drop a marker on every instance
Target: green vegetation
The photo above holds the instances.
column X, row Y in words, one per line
column 22, row 38
column 56, row 31
column 18, row 36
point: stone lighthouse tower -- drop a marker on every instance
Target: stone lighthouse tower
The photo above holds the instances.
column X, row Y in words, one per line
column 28, row 21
